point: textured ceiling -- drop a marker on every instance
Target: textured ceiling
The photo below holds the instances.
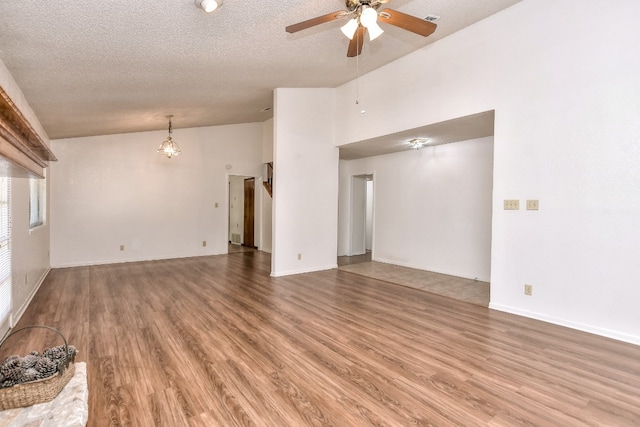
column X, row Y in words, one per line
column 97, row 67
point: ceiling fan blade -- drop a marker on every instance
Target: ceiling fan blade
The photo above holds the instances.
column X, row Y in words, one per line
column 355, row 45
column 315, row 21
column 407, row 22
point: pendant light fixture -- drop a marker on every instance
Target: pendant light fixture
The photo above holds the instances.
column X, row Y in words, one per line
column 419, row 143
column 208, row 5
column 169, row 147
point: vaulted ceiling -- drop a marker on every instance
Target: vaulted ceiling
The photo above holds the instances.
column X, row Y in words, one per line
column 102, row 67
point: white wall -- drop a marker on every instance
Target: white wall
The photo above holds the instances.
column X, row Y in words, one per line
column 267, row 141
column 267, row 200
column 114, row 190
column 30, row 250
column 305, row 199
column 267, row 221
column 565, row 91
column 432, row 207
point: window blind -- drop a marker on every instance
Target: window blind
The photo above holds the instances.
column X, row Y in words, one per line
column 6, row 302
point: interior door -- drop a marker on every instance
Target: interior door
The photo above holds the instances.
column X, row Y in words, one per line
column 249, row 209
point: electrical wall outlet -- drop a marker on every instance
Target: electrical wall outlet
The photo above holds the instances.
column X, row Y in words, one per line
column 299, row 257
column 511, row 205
column 121, row 247
column 204, row 243
column 528, row 290
column 532, row 205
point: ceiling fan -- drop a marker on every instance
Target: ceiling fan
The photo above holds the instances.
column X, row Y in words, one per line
column 365, row 18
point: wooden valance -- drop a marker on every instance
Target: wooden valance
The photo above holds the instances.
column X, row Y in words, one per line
column 23, row 151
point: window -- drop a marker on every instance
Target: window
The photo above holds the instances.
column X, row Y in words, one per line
column 37, row 202
column 5, row 256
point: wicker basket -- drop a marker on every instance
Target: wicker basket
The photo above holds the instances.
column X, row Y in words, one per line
column 38, row 391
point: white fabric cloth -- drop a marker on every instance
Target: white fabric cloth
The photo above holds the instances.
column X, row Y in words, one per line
column 70, row 408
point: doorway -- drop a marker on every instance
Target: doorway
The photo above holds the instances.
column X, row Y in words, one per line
column 362, row 211
column 242, row 212
column 249, row 209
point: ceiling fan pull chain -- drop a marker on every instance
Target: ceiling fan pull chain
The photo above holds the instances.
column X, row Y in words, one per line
column 358, row 75
column 362, row 111
column 357, row 78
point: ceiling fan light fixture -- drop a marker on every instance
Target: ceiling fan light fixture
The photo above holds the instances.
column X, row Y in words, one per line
column 349, row 29
column 362, row 17
column 368, row 16
column 208, row 5
column 374, row 31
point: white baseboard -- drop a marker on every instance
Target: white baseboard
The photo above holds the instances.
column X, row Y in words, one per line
column 124, row 261
column 419, row 267
column 302, row 271
column 631, row 339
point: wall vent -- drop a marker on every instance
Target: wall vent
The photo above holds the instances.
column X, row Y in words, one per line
column 235, row 238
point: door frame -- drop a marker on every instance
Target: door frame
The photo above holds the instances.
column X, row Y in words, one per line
column 257, row 219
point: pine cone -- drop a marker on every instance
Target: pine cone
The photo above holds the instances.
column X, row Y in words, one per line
column 46, row 367
column 29, row 375
column 29, row 361
column 7, row 383
column 73, row 351
column 9, row 364
column 15, row 374
column 54, row 353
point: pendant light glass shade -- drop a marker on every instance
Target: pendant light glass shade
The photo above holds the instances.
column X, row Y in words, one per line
column 169, row 147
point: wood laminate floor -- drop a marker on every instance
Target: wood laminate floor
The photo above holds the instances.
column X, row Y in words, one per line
column 458, row 288
column 234, row 249
column 215, row 341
